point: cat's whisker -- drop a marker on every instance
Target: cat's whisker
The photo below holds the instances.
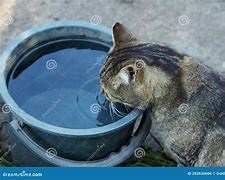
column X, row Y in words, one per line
column 127, row 108
column 120, row 112
column 111, row 111
column 111, row 104
column 117, row 112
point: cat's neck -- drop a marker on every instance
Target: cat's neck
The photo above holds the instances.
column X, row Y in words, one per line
column 162, row 89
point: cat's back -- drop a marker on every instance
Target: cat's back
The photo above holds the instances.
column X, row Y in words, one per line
column 205, row 92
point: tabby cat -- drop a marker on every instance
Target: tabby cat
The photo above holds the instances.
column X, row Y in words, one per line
column 184, row 98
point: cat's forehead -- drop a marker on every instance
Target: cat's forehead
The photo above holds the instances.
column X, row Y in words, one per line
column 109, row 69
column 153, row 55
column 118, row 56
column 117, row 59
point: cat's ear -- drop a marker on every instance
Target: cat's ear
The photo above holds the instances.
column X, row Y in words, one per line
column 131, row 73
column 121, row 35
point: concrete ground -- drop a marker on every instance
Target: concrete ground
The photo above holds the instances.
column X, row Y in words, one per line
column 200, row 32
column 194, row 27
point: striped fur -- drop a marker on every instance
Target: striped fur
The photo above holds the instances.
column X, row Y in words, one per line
column 169, row 81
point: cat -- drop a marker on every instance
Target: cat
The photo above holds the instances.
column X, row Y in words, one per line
column 184, row 98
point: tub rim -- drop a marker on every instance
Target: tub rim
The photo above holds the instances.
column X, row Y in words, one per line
column 28, row 119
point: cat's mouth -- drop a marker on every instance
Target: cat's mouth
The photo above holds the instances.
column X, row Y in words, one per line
column 112, row 98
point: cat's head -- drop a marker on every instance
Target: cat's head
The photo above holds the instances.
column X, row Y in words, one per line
column 134, row 73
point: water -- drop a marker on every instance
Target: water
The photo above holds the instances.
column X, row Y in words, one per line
column 57, row 83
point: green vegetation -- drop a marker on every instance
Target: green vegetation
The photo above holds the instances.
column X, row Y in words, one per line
column 4, row 162
column 151, row 158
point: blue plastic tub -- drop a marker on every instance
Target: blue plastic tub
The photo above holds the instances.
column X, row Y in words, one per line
column 80, row 145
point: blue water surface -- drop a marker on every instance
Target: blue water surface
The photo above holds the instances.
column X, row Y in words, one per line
column 58, row 83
